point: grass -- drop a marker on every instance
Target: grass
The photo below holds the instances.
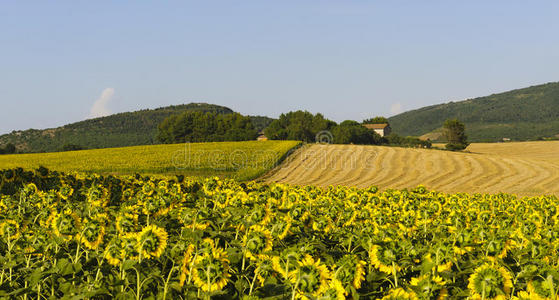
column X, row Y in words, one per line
column 239, row 160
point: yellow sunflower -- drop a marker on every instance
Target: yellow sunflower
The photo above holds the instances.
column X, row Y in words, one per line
column 490, row 282
column 310, row 278
column 186, row 264
column 152, row 241
column 210, row 271
column 93, row 231
column 10, row 229
column 66, row 224
column 114, row 252
column 383, row 259
column 399, row 294
column 257, row 241
column 351, row 271
column 334, row 291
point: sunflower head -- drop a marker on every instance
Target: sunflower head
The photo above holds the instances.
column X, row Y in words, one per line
column 66, row 224
column 258, row 240
column 490, row 282
column 210, row 271
column 152, row 241
column 427, row 284
column 542, row 287
column 9, row 229
column 114, row 251
column 351, row 271
column 310, row 277
column 93, row 231
column 126, row 222
column 384, row 258
column 65, row 191
column 399, row 294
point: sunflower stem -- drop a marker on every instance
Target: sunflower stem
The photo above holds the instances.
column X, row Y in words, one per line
column 395, row 275
column 253, row 281
column 166, row 288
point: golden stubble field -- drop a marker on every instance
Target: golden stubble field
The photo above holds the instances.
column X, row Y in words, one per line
column 523, row 168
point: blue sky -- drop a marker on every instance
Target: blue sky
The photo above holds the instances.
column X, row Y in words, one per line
column 65, row 61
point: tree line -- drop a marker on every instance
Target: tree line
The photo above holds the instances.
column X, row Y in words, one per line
column 296, row 125
column 196, row 126
column 303, row 125
column 8, row 149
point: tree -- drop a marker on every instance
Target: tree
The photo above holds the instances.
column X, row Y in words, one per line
column 8, row 149
column 298, row 125
column 376, row 120
column 205, row 127
column 351, row 132
column 455, row 134
column 72, row 147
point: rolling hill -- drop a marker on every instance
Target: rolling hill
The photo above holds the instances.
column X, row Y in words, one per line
column 118, row 130
column 525, row 114
column 523, row 168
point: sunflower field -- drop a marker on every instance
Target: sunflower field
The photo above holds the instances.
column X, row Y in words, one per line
column 133, row 237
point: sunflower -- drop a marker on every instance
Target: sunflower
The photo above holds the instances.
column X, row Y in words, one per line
column 29, row 190
column 210, row 271
column 9, row 175
column 334, row 291
column 351, row 271
column 65, row 191
column 130, row 246
column 497, row 248
column 10, row 229
column 310, row 277
column 399, row 294
column 286, row 263
column 384, row 259
column 148, row 188
column 97, row 196
column 540, row 289
column 186, row 262
column 66, row 224
column 260, row 215
column 427, row 284
column 114, row 252
column 126, row 222
column 152, row 241
column 257, row 241
column 444, row 267
column 93, row 231
column 523, row 295
column 490, row 282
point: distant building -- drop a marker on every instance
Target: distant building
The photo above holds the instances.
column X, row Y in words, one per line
column 506, row 139
column 262, row 138
column 381, row 129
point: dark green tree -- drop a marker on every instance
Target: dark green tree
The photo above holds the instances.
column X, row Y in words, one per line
column 72, row 147
column 376, row 120
column 454, row 132
column 205, row 127
column 351, row 132
column 298, row 125
column 8, row 149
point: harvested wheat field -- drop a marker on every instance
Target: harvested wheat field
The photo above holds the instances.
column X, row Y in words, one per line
column 530, row 168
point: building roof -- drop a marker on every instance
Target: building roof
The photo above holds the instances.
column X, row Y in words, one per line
column 376, row 126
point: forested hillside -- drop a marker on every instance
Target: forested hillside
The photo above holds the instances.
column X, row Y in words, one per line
column 118, row 130
column 524, row 114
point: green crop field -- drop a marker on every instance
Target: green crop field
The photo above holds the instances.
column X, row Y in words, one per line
column 239, row 160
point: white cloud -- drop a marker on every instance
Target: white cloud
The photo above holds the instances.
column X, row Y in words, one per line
column 396, row 108
column 99, row 108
